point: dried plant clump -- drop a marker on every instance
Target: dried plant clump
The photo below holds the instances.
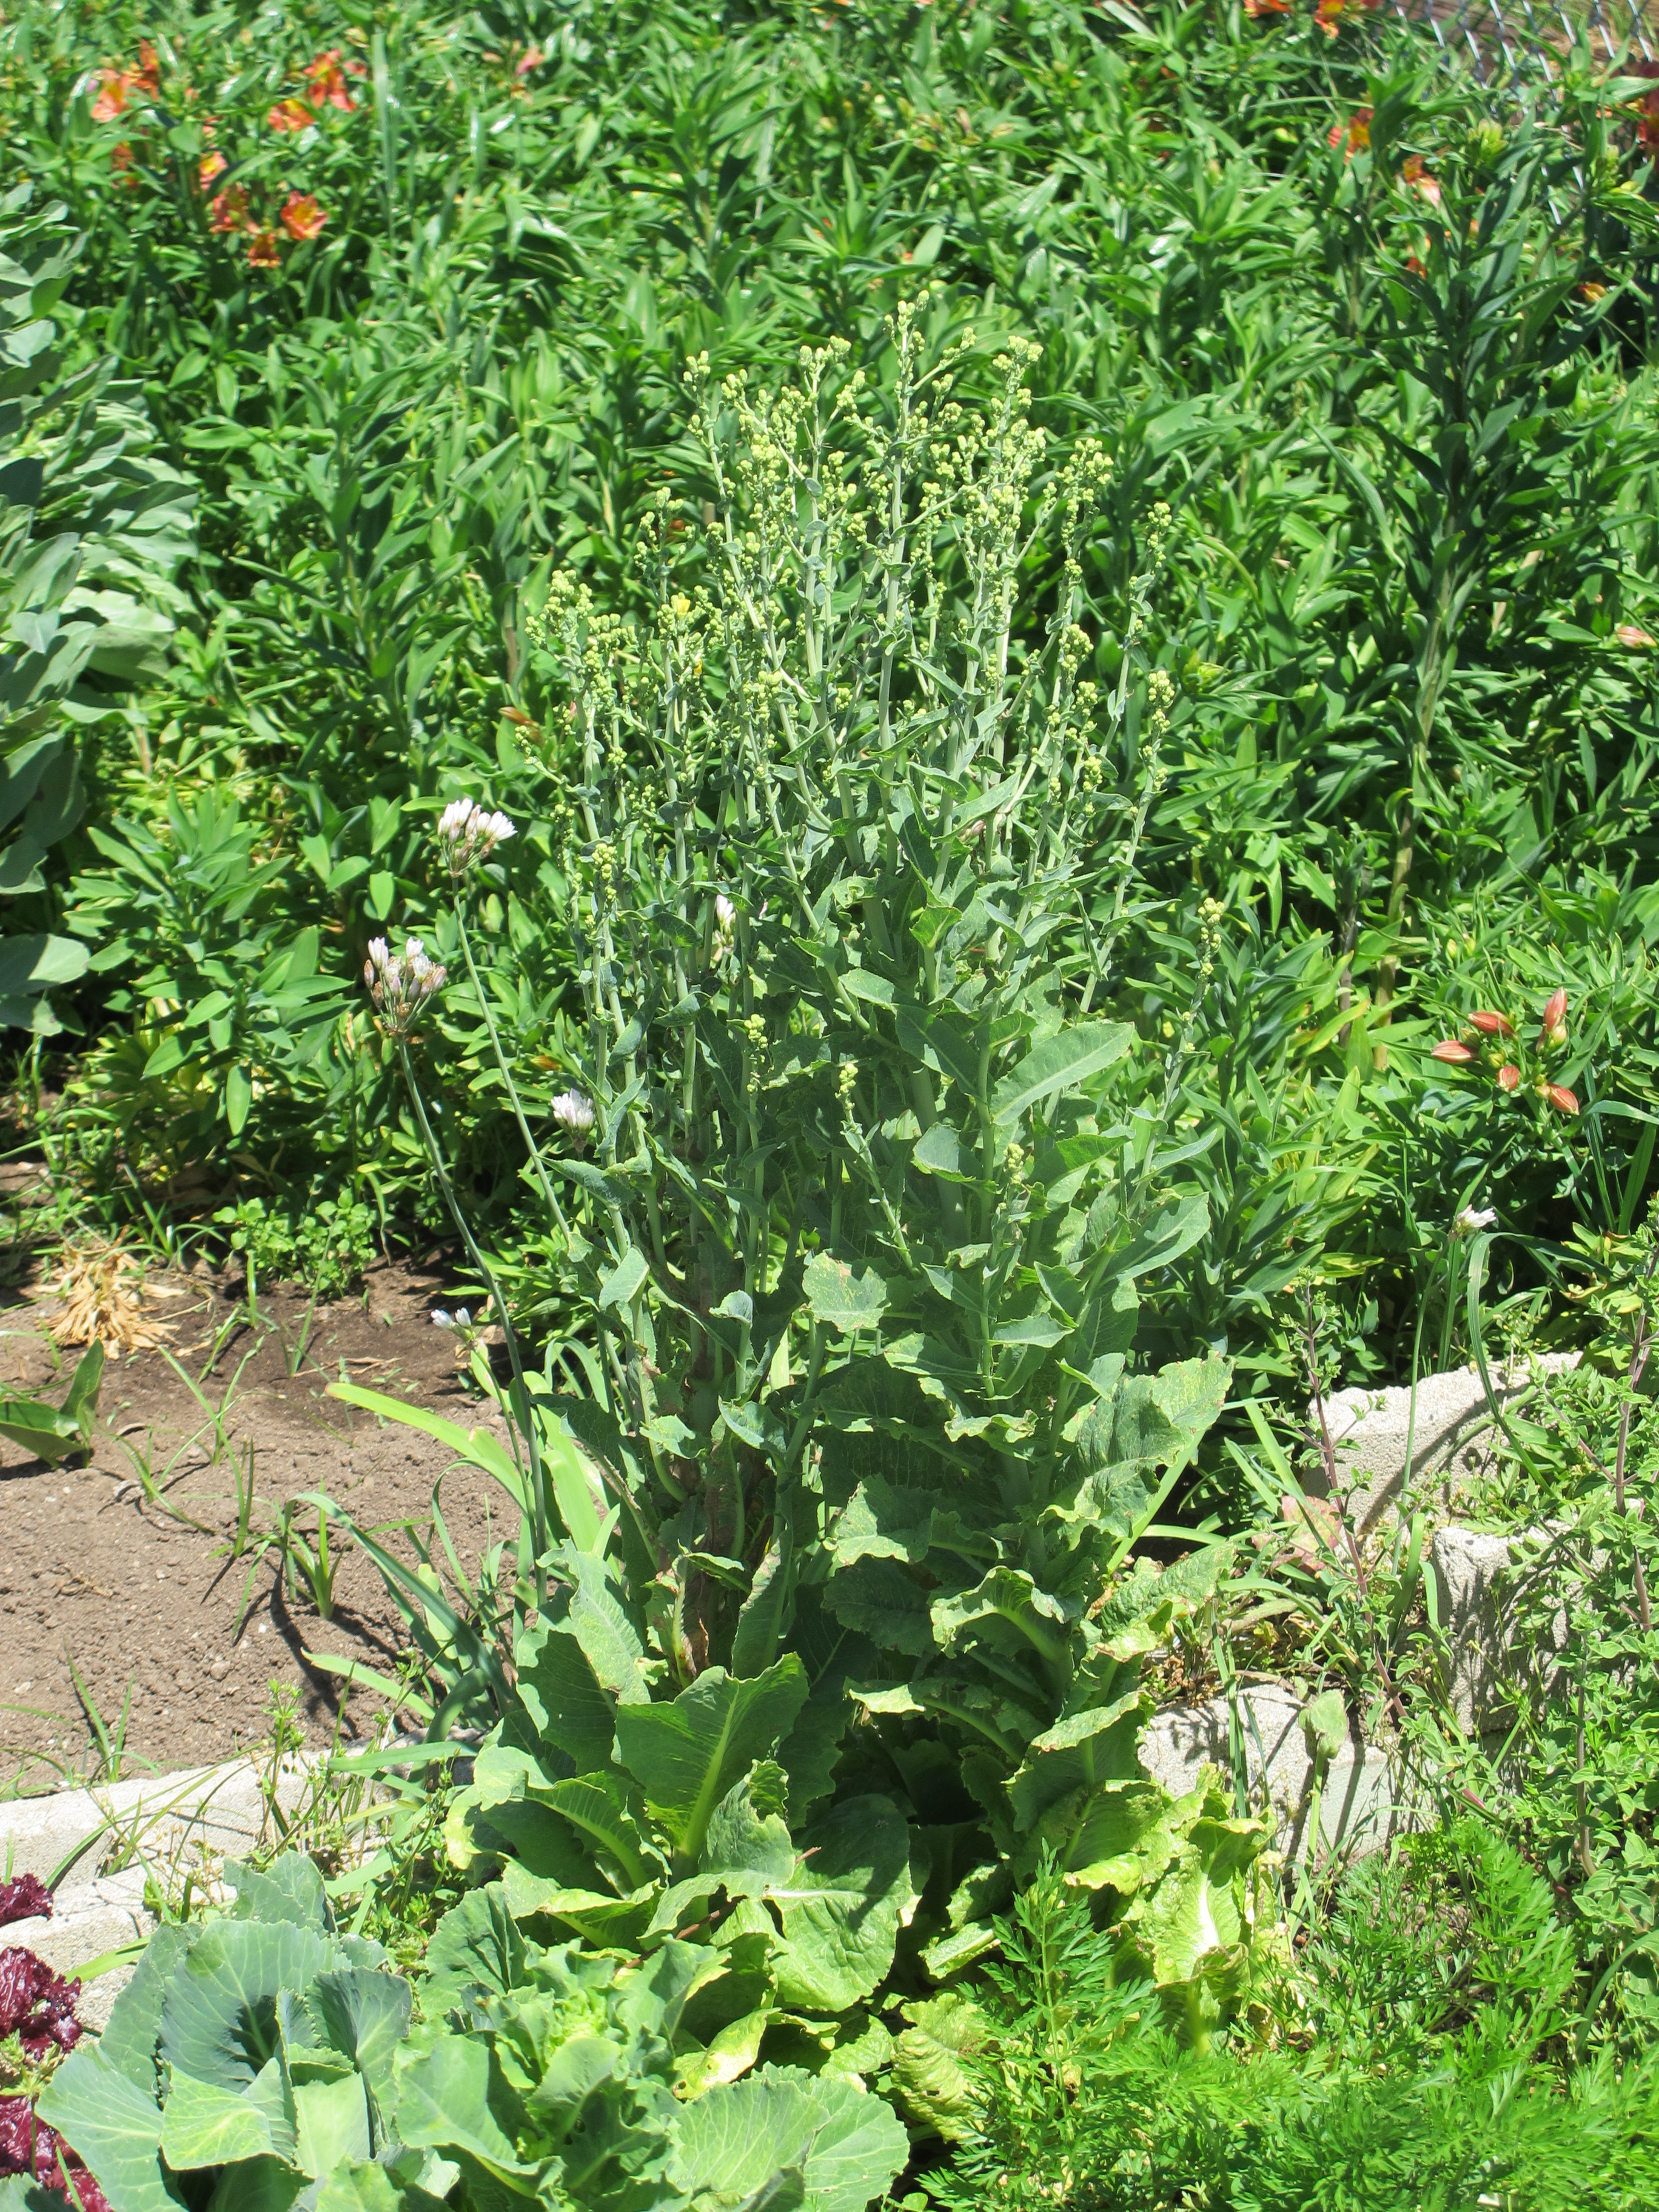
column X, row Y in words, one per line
column 103, row 1291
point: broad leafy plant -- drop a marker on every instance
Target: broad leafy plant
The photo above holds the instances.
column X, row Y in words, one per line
column 851, row 1220
column 264, row 2050
column 93, row 525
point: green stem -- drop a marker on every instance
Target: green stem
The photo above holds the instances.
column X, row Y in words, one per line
column 530, row 1145
column 537, row 1488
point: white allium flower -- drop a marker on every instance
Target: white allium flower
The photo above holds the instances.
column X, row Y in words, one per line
column 726, row 923
column 400, row 985
column 572, row 1112
column 467, row 834
column 1470, row 1220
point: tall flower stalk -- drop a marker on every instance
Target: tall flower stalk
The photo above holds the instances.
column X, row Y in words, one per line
column 401, row 987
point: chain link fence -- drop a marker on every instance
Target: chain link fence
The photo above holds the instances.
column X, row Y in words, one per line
column 1519, row 38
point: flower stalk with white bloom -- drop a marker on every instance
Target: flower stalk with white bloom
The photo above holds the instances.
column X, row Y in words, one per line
column 572, row 1112
column 467, row 834
column 400, row 984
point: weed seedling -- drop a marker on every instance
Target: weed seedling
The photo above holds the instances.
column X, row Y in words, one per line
column 111, row 1748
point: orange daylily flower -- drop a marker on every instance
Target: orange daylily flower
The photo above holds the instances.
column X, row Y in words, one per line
column 302, row 218
column 1267, row 7
column 532, row 57
column 210, row 166
column 1356, row 131
column 229, row 210
column 262, row 250
column 1330, row 14
column 1413, row 173
column 290, row 115
column 1493, row 1024
column 1563, row 1100
column 111, row 95
column 116, row 88
column 325, row 80
column 1449, row 1050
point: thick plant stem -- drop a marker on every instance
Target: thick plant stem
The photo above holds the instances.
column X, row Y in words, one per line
column 537, row 1488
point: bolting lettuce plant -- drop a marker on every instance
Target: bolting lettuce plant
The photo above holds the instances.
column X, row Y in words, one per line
column 848, row 1433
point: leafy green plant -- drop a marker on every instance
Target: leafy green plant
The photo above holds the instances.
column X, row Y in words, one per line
column 52, row 1432
column 326, row 1246
column 92, row 525
column 262, row 2047
column 1415, row 2063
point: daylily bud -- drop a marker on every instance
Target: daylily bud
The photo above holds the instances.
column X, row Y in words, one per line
column 1509, row 1079
column 1448, row 1048
column 1493, row 1024
column 1554, row 1031
column 1563, row 1100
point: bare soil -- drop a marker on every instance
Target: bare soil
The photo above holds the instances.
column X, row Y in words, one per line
column 95, row 1577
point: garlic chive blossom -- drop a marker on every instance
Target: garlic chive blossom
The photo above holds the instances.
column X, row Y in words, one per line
column 400, row 986
column 467, row 834
column 1472, row 1219
column 572, row 1112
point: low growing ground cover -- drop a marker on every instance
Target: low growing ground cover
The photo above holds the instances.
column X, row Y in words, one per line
column 935, row 725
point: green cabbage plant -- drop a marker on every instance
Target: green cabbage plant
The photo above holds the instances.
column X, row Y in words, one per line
column 261, row 2057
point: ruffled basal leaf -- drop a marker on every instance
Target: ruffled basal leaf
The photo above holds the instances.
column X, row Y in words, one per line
column 574, row 1714
column 841, row 1907
column 1077, row 1755
column 686, row 1754
column 876, row 1597
column 934, row 2084
column 1121, row 1835
column 1204, row 1901
column 1006, row 1601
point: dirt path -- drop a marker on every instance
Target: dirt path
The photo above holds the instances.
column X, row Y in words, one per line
column 92, row 1573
